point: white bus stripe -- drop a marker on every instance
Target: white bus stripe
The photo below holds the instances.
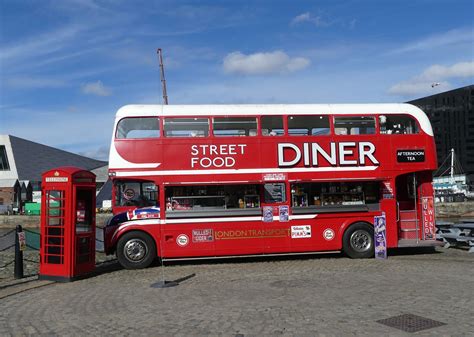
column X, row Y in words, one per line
column 244, row 171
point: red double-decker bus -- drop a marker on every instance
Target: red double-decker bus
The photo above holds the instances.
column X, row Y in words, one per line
column 195, row 181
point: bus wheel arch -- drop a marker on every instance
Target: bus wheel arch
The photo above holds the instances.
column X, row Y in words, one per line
column 358, row 240
column 136, row 249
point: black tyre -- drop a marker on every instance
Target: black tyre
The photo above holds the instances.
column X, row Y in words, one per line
column 136, row 250
column 358, row 241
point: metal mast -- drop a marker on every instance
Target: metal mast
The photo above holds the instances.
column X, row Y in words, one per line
column 162, row 76
column 452, row 163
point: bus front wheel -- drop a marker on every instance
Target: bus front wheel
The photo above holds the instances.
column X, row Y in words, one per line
column 136, row 250
column 358, row 241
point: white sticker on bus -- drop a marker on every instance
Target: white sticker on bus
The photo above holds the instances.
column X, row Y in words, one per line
column 182, row 240
column 300, row 232
column 328, row 234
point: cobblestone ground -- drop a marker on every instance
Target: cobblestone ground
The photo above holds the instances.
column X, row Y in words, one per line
column 326, row 295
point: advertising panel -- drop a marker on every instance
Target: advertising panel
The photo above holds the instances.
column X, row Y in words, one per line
column 428, row 218
column 380, row 238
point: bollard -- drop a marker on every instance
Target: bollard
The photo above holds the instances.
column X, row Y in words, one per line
column 18, row 273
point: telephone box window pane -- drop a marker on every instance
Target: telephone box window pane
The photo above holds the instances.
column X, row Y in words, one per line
column 52, row 231
column 186, row 127
column 58, row 241
column 56, row 212
column 55, row 198
column 354, row 125
column 234, row 126
column 136, row 128
column 54, row 259
column 272, row 126
column 55, row 221
column 53, row 250
column 308, row 125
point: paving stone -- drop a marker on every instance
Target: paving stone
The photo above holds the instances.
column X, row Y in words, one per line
column 327, row 295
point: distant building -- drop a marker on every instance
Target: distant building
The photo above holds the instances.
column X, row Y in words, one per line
column 21, row 164
column 452, row 116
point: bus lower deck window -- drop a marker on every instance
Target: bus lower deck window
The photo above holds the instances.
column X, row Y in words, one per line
column 334, row 194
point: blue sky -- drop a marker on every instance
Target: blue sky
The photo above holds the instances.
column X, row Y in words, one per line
column 66, row 66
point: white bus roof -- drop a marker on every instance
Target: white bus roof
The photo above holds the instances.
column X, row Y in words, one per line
column 275, row 109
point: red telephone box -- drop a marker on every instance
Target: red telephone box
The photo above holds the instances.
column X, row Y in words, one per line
column 67, row 224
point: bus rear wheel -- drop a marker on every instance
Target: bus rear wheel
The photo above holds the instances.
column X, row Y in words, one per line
column 358, row 241
column 136, row 250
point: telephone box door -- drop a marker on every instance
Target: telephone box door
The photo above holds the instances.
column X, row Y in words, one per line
column 84, row 223
column 55, row 233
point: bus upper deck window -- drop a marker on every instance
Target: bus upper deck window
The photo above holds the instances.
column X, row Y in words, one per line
column 138, row 127
column 234, row 126
column 398, row 124
column 301, row 125
column 186, row 127
column 354, row 125
column 272, row 125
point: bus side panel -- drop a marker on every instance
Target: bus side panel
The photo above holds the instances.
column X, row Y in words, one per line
column 324, row 233
column 112, row 235
column 187, row 240
column 239, row 238
column 389, row 207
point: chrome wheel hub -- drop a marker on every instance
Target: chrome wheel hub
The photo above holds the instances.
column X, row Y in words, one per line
column 361, row 241
column 135, row 250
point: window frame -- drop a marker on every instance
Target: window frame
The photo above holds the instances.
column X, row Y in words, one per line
column 328, row 116
column 159, row 124
column 376, row 124
column 209, row 126
column 417, row 123
column 257, row 129
column 284, row 126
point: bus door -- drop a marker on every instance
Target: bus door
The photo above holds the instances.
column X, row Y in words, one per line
column 407, row 204
column 276, row 225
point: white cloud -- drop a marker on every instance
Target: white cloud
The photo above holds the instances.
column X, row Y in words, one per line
column 449, row 38
column 317, row 20
column 24, row 82
column 96, row 88
column 422, row 84
column 46, row 43
column 263, row 63
column 100, row 153
column 301, row 18
column 408, row 88
column 459, row 70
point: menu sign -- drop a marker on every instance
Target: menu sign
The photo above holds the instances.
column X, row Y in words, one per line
column 380, row 237
column 410, row 156
column 428, row 214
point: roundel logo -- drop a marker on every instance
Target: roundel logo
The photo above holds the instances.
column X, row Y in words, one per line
column 328, row 234
column 182, row 240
